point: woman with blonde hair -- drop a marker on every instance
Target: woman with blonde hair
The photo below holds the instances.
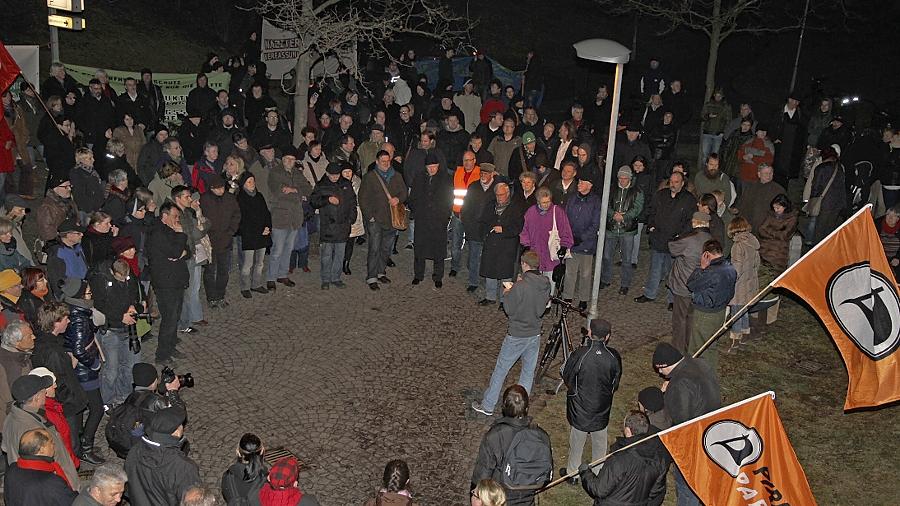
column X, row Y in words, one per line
column 745, row 259
column 488, row 493
column 231, row 173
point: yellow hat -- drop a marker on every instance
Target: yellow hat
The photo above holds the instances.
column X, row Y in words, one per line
column 8, row 279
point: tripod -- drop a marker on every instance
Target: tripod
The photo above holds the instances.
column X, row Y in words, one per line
column 558, row 338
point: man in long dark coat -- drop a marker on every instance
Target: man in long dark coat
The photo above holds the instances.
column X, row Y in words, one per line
column 431, row 199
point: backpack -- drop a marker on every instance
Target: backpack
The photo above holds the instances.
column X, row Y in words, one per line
column 125, row 425
column 528, row 461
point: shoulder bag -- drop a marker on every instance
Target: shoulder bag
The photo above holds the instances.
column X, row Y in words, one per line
column 398, row 212
column 813, row 206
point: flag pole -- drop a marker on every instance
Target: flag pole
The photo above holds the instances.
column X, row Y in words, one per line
column 733, row 318
column 653, row 436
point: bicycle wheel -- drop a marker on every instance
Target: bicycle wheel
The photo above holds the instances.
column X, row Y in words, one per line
column 551, row 348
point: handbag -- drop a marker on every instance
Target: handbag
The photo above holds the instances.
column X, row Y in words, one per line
column 398, row 212
column 553, row 241
column 813, row 206
column 203, row 251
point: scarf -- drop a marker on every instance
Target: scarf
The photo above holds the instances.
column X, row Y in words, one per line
column 41, row 293
column 386, row 174
column 41, row 463
column 499, row 208
column 133, row 264
column 269, row 496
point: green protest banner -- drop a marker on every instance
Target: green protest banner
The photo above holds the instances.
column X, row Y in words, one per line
column 175, row 87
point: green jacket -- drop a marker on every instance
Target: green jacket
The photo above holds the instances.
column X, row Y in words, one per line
column 630, row 202
column 716, row 116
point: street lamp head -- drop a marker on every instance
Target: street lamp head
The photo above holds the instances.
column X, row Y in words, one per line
column 603, row 50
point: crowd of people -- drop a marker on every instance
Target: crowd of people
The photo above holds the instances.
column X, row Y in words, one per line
column 137, row 216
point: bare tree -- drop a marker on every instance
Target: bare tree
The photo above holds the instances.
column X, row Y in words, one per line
column 717, row 19
column 327, row 27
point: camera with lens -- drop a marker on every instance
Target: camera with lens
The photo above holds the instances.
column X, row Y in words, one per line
column 168, row 375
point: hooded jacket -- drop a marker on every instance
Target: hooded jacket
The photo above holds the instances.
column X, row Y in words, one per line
column 693, row 390
column 584, row 218
column 525, row 303
column 591, row 374
column 159, row 473
column 80, row 342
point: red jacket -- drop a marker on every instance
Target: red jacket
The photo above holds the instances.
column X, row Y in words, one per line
column 54, row 414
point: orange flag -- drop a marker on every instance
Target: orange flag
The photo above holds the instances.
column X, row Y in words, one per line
column 847, row 279
column 739, row 455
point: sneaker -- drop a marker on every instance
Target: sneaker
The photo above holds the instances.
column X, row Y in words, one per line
column 223, row 303
column 478, row 408
column 339, row 284
column 623, row 290
column 247, row 294
column 582, row 306
column 438, row 284
column 286, row 282
column 374, row 287
column 384, row 279
column 642, row 299
column 188, row 330
column 409, row 246
column 324, row 286
column 390, row 263
column 471, row 288
column 564, row 472
column 453, row 273
column 416, row 281
column 213, row 304
column 270, row 285
column 670, row 307
column 91, row 458
column 486, row 302
column 262, row 289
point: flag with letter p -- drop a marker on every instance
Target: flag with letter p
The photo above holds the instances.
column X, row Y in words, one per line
column 739, row 455
column 848, row 281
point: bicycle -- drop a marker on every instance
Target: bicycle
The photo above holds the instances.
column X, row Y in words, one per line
column 558, row 338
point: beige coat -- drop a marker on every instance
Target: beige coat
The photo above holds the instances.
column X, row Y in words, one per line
column 745, row 259
column 133, row 142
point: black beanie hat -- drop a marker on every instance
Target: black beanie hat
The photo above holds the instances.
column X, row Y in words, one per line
column 144, row 374
column 651, row 398
column 666, row 355
column 166, row 421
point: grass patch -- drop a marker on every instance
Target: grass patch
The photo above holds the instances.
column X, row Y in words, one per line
column 835, row 449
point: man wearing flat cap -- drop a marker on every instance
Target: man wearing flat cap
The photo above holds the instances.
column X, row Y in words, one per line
column 66, row 259
column 686, row 251
column 591, row 374
column 159, row 473
column 27, row 413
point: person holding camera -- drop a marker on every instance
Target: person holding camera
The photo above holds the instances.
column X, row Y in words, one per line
column 524, row 302
column 117, row 295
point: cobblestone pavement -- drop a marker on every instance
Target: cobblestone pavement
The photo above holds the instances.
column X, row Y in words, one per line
column 349, row 379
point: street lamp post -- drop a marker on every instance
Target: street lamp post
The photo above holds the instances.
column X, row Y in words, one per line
column 607, row 51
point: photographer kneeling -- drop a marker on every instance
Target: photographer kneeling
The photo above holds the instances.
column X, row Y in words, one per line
column 117, row 295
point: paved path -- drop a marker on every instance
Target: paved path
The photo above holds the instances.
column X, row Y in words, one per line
column 349, row 379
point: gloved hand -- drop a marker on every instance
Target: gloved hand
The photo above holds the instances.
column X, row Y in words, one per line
column 583, row 468
column 562, row 252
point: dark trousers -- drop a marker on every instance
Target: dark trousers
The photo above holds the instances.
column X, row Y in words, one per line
column 88, row 431
column 381, row 238
column 215, row 275
column 419, row 268
column 682, row 308
column 348, row 249
column 168, row 300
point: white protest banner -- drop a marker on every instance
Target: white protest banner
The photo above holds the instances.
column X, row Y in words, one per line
column 175, row 87
column 281, row 48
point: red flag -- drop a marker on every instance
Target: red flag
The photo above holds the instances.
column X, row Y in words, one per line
column 9, row 69
column 847, row 279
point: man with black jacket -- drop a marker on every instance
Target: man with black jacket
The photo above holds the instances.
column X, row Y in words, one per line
column 670, row 216
column 221, row 208
column 479, row 195
column 167, row 253
column 95, row 115
column 591, row 374
column 691, row 390
column 155, row 99
column 496, row 442
column 159, row 473
column 116, row 295
column 335, row 199
column 635, row 476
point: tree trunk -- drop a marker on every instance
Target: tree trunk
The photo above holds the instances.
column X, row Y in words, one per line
column 301, row 95
column 715, row 38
